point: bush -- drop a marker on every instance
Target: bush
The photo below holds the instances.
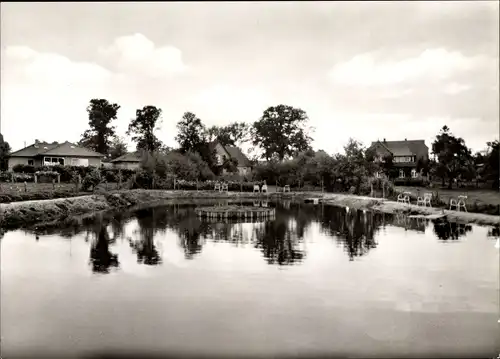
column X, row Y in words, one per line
column 414, row 182
column 20, row 168
column 91, row 180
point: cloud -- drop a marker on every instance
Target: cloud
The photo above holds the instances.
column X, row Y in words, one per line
column 50, row 69
column 137, row 55
column 364, row 70
column 455, row 88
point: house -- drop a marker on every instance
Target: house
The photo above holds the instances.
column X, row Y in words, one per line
column 406, row 154
column 131, row 161
column 222, row 153
column 48, row 154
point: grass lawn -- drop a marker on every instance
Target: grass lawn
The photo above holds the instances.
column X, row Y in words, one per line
column 478, row 196
column 18, row 192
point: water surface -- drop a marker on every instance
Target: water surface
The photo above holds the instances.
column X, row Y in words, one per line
column 315, row 280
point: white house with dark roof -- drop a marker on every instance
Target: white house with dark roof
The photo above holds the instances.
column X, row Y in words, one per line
column 48, row 154
column 405, row 154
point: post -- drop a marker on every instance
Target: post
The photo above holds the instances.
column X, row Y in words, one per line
column 197, row 185
column 371, row 189
column 13, row 178
column 383, row 189
column 153, row 182
column 25, row 187
column 120, row 178
column 53, row 184
column 241, row 185
column 79, row 182
column 58, row 178
column 36, row 178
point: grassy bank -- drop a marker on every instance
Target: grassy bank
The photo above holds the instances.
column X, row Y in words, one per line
column 29, row 213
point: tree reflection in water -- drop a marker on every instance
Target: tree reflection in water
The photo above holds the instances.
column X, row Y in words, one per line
column 144, row 247
column 445, row 230
column 281, row 240
column 101, row 258
column 355, row 230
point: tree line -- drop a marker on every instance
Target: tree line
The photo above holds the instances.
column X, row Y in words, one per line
column 283, row 136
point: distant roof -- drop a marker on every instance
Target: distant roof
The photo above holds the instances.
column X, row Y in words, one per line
column 128, row 157
column 404, row 148
column 55, row 149
column 236, row 153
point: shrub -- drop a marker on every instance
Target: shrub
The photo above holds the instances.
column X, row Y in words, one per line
column 21, row 168
column 415, row 182
column 91, row 180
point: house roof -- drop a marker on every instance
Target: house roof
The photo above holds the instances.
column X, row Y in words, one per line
column 236, row 153
column 404, row 148
column 128, row 157
column 55, row 149
column 233, row 152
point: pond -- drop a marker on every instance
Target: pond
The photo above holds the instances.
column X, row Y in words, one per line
column 315, row 280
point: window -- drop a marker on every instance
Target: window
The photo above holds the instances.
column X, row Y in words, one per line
column 80, row 162
column 401, row 174
column 53, row 161
column 414, row 173
column 31, row 163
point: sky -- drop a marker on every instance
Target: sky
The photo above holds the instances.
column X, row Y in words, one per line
column 369, row 70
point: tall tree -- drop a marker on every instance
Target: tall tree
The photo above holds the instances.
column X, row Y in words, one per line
column 100, row 133
column 229, row 135
column 192, row 137
column 4, row 154
column 191, row 133
column 281, row 132
column 453, row 156
column 142, row 128
column 118, row 148
column 492, row 163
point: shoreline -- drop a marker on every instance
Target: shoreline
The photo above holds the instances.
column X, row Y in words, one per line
column 26, row 214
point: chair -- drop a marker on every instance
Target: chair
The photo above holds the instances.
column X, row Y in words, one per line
column 286, row 188
column 264, row 204
column 217, row 187
column 224, row 188
column 404, row 197
column 264, row 188
column 458, row 203
column 256, row 188
column 426, row 199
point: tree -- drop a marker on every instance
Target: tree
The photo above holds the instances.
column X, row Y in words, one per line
column 191, row 133
column 230, row 135
column 492, row 163
column 142, row 128
column 192, row 137
column 118, row 148
column 453, row 156
column 99, row 136
column 4, row 154
column 281, row 132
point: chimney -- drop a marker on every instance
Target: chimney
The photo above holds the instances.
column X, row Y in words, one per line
column 384, row 140
column 405, row 139
column 37, row 142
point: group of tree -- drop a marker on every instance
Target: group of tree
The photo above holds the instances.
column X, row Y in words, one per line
column 4, row 153
column 283, row 136
column 454, row 161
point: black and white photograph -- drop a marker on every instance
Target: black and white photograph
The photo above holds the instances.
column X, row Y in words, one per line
column 237, row 179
